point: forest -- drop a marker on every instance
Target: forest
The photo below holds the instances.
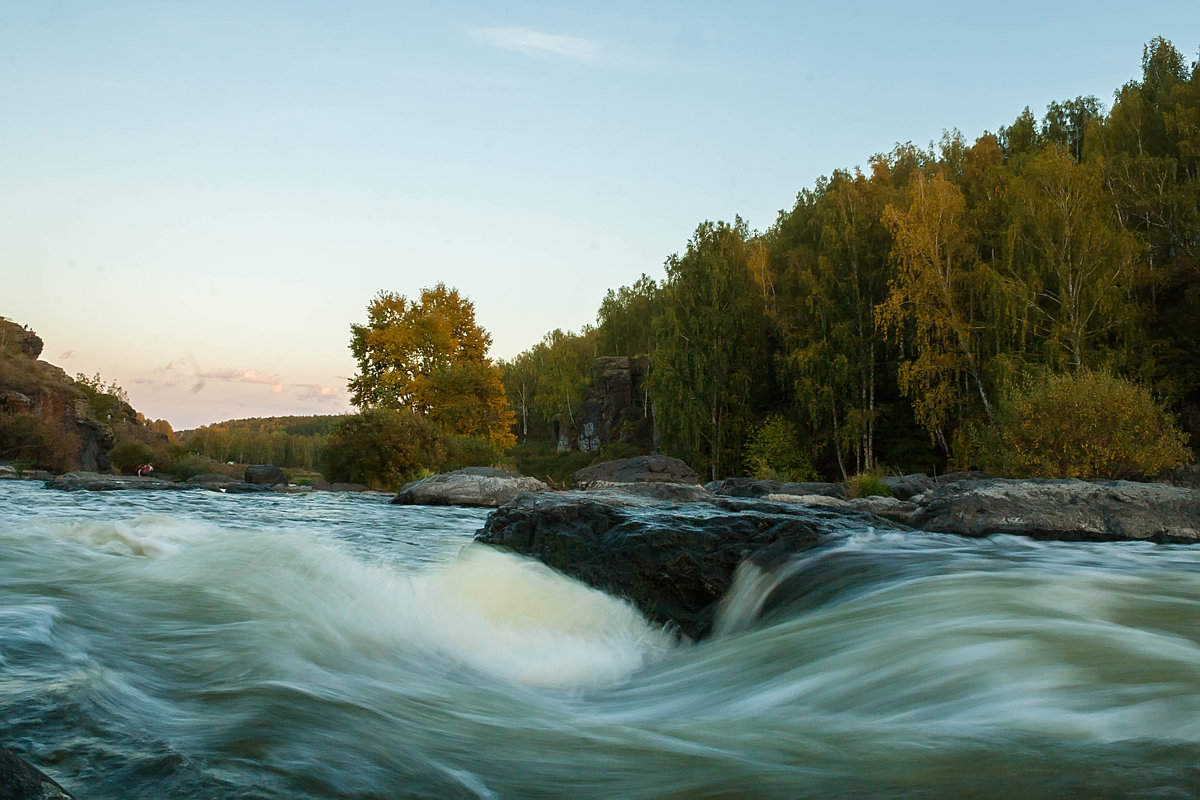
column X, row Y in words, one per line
column 1025, row 303
column 996, row 303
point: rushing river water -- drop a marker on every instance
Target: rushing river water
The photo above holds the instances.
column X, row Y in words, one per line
column 198, row 645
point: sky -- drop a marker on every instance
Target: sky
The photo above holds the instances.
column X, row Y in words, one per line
column 197, row 199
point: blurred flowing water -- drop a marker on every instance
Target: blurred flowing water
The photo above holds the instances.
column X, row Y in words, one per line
column 197, row 645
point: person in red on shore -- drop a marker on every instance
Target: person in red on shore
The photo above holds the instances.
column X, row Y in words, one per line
column 145, row 470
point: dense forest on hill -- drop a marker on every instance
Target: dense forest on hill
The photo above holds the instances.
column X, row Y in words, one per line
column 285, row 441
column 917, row 313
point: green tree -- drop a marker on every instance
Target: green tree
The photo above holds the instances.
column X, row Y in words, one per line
column 430, row 356
column 383, row 448
column 711, row 349
column 1071, row 269
column 624, row 321
column 931, row 304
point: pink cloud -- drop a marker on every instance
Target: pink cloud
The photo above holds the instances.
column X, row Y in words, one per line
column 241, row 376
column 322, row 394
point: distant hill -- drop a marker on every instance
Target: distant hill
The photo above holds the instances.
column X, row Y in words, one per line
column 296, row 442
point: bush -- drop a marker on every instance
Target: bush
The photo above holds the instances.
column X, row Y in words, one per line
column 774, row 452
column 867, row 484
column 27, row 438
column 383, row 448
column 1085, row 425
column 127, row 455
column 189, row 466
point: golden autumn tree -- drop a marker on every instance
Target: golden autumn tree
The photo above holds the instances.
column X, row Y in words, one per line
column 930, row 306
column 429, row 356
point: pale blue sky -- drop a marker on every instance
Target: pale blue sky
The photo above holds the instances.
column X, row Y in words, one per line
column 211, row 192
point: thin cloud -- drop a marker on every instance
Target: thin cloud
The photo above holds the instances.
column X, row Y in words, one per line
column 322, row 394
column 240, row 376
column 531, row 42
column 67, row 354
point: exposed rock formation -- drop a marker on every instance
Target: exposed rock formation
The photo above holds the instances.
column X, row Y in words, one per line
column 473, row 486
column 1069, row 510
column 613, row 399
column 674, row 562
column 265, row 475
column 750, row 487
column 94, row 482
column 20, row 780
column 639, row 469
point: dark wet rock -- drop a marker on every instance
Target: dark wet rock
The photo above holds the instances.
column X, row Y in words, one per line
column 669, row 492
column 892, row 509
column 750, row 487
column 673, row 561
column 639, row 469
column 20, row 780
column 1070, row 510
column 246, row 488
column 212, row 480
column 474, row 486
column 906, row 487
column 323, row 485
column 95, row 482
column 265, row 475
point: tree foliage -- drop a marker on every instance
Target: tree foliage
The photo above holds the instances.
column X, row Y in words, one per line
column 1081, row 425
column 429, row 356
column 886, row 313
column 711, row 344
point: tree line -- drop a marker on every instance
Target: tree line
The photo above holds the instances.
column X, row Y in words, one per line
column 898, row 314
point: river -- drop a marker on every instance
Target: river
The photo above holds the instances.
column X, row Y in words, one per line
column 199, row 645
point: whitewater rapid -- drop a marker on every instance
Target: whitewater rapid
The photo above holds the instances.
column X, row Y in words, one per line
column 333, row 646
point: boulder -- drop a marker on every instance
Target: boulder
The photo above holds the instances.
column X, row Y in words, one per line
column 892, row 509
column 265, row 475
column 669, row 492
column 474, row 486
column 673, row 561
column 749, row 487
column 906, row 487
column 245, row 488
column 323, row 485
column 1069, row 510
column 95, row 482
column 639, row 469
column 212, row 480
column 20, row 780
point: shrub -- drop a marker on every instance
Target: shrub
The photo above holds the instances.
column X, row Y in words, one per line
column 1085, row 425
column 383, row 448
column 129, row 454
column 867, row 484
column 774, row 452
column 27, row 438
column 189, row 466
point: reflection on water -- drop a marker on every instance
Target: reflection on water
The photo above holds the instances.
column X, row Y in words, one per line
column 332, row 646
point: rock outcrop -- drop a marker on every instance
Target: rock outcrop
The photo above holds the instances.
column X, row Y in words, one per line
column 639, row 469
column 673, row 561
column 265, row 475
column 95, row 482
column 20, row 780
column 474, row 486
column 1069, row 510
column 751, row 487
